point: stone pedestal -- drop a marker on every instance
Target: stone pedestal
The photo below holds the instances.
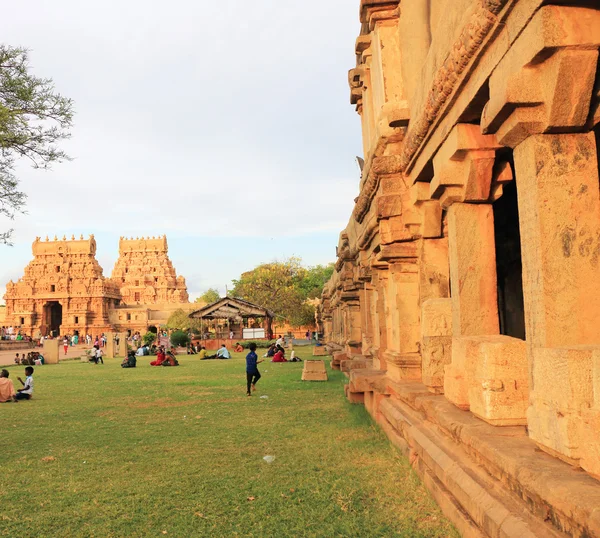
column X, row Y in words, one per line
column 488, row 376
column 314, row 371
column 51, row 351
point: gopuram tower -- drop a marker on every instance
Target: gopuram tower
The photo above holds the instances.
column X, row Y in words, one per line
column 145, row 275
column 62, row 291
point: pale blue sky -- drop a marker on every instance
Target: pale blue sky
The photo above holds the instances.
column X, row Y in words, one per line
column 225, row 125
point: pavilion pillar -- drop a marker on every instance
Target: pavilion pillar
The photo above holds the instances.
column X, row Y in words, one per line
column 536, row 90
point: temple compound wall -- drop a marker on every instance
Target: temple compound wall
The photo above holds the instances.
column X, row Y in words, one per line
column 63, row 290
column 466, row 298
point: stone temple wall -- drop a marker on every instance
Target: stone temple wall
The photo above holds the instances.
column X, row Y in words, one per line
column 466, row 298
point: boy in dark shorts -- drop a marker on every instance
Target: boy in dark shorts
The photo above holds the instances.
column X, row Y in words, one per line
column 252, row 373
column 27, row 391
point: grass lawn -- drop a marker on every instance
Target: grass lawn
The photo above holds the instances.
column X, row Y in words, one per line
column 104, row 451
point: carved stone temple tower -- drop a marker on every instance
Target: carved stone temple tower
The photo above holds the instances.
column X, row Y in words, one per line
column 145, row 275
column 62, row 291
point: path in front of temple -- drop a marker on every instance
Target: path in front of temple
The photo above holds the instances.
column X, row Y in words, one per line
column 8, row 357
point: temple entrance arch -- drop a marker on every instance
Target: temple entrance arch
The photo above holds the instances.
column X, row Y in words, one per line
column 53, row 317
column 153, row 329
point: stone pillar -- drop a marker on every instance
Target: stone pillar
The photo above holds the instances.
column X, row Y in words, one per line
column 51, row 351
column 473, row 269
column 488, row 372
column 380, row 277
column 559, row 209
column 544, row 85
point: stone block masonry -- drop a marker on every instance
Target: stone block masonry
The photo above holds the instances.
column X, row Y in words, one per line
column 465, row 303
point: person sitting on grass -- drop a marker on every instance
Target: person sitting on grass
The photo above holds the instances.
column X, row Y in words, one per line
column 18, row 358
column 271, row 351
column 7, row 389
column 170, row 359
column 223, row 353
column 160, row 357
column 27, row 391
column 130, row 361
column 279, row 357
column 202, row 354
column 238, row 348
column 252, row 373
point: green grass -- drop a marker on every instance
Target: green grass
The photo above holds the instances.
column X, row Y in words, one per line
column 179, row 451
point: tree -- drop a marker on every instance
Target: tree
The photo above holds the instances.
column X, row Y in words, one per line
column 210, row 296
column 302, row 316
column 33, row 118
column 180, row 339
column 315, row 279
column 273, row 286
column 179, row 319
column 149, row 338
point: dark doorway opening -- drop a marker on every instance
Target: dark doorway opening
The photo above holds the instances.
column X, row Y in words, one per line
column 152, row 329
column 509, row 268
column 53, row 317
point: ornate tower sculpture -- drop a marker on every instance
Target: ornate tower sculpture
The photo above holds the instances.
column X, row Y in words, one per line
column 62, row 291
column 145, row 275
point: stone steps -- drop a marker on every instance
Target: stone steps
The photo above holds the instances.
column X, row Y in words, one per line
column 490, row 480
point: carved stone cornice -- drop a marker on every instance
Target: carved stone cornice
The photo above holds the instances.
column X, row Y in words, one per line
column 447, row 77
column 372, row 11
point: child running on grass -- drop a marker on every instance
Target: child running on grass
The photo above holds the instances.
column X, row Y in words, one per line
column 252, row 373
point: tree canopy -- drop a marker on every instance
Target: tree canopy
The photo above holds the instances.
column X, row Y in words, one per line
column 33, row 118
column 284, row 287
column 210, row 296
column 179, row 319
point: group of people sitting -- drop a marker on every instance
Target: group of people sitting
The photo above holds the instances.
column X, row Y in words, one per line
column 277, row 352
column 33, row 357
column 165, row 357
column 7, row 388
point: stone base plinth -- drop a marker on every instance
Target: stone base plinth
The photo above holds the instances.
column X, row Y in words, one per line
column 337, row 359
column 314, row 371
column 319, row 351
column 564, row 412
column 489, row 376
column 355, row 364
column 488, row 480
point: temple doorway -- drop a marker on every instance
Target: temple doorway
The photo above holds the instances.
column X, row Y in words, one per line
column 53, row 317
column 509, row 268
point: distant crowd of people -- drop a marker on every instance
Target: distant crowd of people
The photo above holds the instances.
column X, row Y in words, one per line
column 276, row 352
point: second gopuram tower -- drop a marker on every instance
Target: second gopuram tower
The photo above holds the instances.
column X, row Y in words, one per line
column 145, row 275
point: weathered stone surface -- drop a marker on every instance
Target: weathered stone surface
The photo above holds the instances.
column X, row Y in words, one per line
column 145, row 275
column 479, row 214
column 473, row 270
column 51, row 351
column 489, row 376
column 314, row 371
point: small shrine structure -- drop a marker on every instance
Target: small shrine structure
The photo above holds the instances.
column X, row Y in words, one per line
column 237, row 315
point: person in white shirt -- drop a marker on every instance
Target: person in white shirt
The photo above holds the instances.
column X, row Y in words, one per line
column 223, row 353
column 27, row 391
column 99, row 354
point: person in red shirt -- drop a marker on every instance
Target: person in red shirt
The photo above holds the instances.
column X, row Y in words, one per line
column 160, row 357
column 279, row 357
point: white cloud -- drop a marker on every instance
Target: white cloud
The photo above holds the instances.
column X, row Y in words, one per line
column 195, row 119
